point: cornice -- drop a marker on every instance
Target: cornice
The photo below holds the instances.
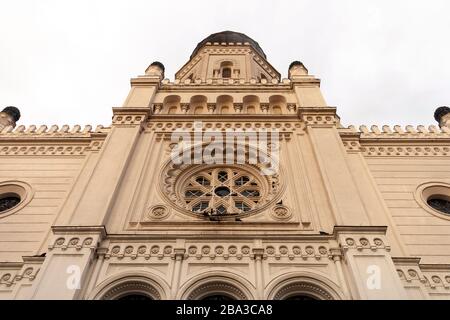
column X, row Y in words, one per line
column 70, row 230
column 399, row 134
column 409, row 261
column 205, row 236
column 54, row 131
column 435, row 267
column 224, row 85
column 360, row 229
column 221, row 117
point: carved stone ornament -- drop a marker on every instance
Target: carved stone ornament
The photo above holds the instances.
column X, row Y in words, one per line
column 158, row 212
column 280, row 212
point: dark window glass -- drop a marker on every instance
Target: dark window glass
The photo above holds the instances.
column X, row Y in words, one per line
column 217, row 297
column 221, row 210
column 242, row 180
column 250, row 193
column 300, row 297
column 226, row 73
column 135, row 297
column 200, row 206
column 9, row 202
column 203, row 181
column 193, row 193
column 222, row 176
column 242, row 206
column 222, row 191
column 441, row 205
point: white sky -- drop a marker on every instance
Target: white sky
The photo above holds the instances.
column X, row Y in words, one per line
column 381, row 62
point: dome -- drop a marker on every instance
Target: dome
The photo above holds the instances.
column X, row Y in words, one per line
column 229, row 36
column 12, row 112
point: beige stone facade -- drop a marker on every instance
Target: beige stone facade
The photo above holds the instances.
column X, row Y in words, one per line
column 104, row 213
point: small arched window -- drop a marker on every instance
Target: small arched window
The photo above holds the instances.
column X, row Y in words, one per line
column 198, row 110
column 276, row 110
column 172, row 110
column 226, row 73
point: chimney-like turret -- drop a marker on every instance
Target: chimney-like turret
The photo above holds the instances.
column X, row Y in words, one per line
column 8, row 117
column 442, row 116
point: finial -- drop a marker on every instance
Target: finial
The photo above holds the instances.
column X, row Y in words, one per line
column 157, row 69
column 297, row 68
column 9, row 116
column 442, row 116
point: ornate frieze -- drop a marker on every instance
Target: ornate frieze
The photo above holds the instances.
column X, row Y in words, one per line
column 207, row 251
column 130, row 116
column 318, row 116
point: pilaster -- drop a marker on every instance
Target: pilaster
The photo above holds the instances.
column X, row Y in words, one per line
column 331, row 157
column 68, row 263
column 367, row 257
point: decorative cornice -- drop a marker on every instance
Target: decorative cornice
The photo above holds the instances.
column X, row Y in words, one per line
column 362, row 238
column 53, row 132
column 318, row 116
column 63, row 230
column 375, row 134
column 162, row 250
column 360, row 229
column 130, row 116
column 406, row 150
column 413, row 261
column 226, row 84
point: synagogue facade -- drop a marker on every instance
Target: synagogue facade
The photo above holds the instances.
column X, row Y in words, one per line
column 229, row 182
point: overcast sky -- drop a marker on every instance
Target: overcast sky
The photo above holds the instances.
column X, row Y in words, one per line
column 381, row 62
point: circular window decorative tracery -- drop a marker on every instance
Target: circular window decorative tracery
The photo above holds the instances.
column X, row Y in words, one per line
column 434, row 197
column 14, row 195
column 221, row 191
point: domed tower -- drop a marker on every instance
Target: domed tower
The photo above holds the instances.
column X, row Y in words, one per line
column 228, row 55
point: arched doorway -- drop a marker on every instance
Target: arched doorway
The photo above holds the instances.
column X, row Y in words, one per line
column 299, row 290
column 134, row 297
column 218, row 297
column 130, row 288
column 300, row 297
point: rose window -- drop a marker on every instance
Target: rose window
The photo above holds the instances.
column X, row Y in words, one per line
column 219, row 190
column 222, row 191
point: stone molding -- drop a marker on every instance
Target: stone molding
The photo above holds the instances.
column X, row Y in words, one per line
column 129, row 117
column 318, row 116
column 162, row 250
column 17, row 273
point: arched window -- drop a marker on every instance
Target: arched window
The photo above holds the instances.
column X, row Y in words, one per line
column 303, row 290
column 133, row 288
column 172, row 110
column 218, row 290
column 226, row 68
column 226, row 73
column 276, row 110
column 198, row 110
